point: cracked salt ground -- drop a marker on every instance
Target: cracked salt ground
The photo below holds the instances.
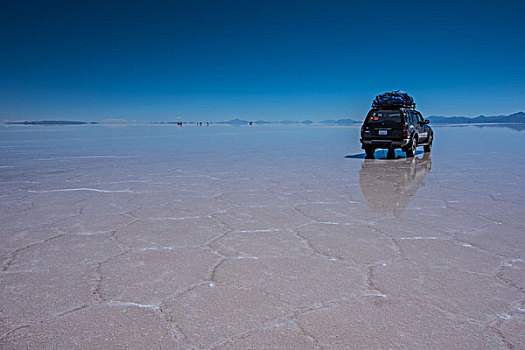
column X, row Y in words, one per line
column 265, row 244
column 192, row 232
column 153, row 275
column 356, row 244
column 237, row 242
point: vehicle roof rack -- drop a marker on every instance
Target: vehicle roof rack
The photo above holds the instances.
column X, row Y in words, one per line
column 391, row 106
column 393, row 99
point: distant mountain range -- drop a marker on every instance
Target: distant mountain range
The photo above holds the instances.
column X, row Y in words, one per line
column 511, row 118
column 342, row 122
column 290, row 122
column 499, row 119
column 51, row 122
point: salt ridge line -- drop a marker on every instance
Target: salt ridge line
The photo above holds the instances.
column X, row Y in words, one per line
column 84, row 189
column 86, row 157
column 417, row 238
column 141, row 306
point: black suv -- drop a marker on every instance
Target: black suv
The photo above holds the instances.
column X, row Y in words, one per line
column 391, row 126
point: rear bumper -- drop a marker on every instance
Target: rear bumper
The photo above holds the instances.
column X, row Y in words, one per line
column 384, row 143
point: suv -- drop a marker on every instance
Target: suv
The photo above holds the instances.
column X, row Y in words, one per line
column 391, row 126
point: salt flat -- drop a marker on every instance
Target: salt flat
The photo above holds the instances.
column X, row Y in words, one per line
column 160, row 237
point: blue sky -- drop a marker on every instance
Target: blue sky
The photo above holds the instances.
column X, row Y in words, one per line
column 272, row 60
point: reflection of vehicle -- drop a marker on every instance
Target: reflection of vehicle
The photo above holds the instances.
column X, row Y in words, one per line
column 389, row 185
column 394, row 123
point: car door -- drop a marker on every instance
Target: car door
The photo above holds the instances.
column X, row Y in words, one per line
column 412, row 123
column 422, row 128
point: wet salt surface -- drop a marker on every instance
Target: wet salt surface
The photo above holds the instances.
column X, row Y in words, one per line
column 259, row 237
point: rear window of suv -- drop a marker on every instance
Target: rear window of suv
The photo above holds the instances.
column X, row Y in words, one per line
column 381, row 116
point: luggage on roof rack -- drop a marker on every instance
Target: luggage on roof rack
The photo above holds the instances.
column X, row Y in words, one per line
column 396, row 99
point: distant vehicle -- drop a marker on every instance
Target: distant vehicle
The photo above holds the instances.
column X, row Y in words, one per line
column 393, row 122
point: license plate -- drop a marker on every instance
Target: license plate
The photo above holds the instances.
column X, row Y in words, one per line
column 383, row 132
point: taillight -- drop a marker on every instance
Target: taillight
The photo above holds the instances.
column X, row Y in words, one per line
column 362, row 131
column 405, row 131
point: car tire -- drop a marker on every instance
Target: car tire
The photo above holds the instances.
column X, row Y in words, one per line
column 369, row 152
column 411, row 151
column 428, row 147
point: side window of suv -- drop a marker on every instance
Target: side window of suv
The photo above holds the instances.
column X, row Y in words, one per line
column 410, row 117
column 419, row 118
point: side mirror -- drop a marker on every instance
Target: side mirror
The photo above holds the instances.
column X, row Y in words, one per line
column 426, row 121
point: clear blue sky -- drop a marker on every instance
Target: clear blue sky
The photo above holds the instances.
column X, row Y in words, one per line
column 272, row 60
